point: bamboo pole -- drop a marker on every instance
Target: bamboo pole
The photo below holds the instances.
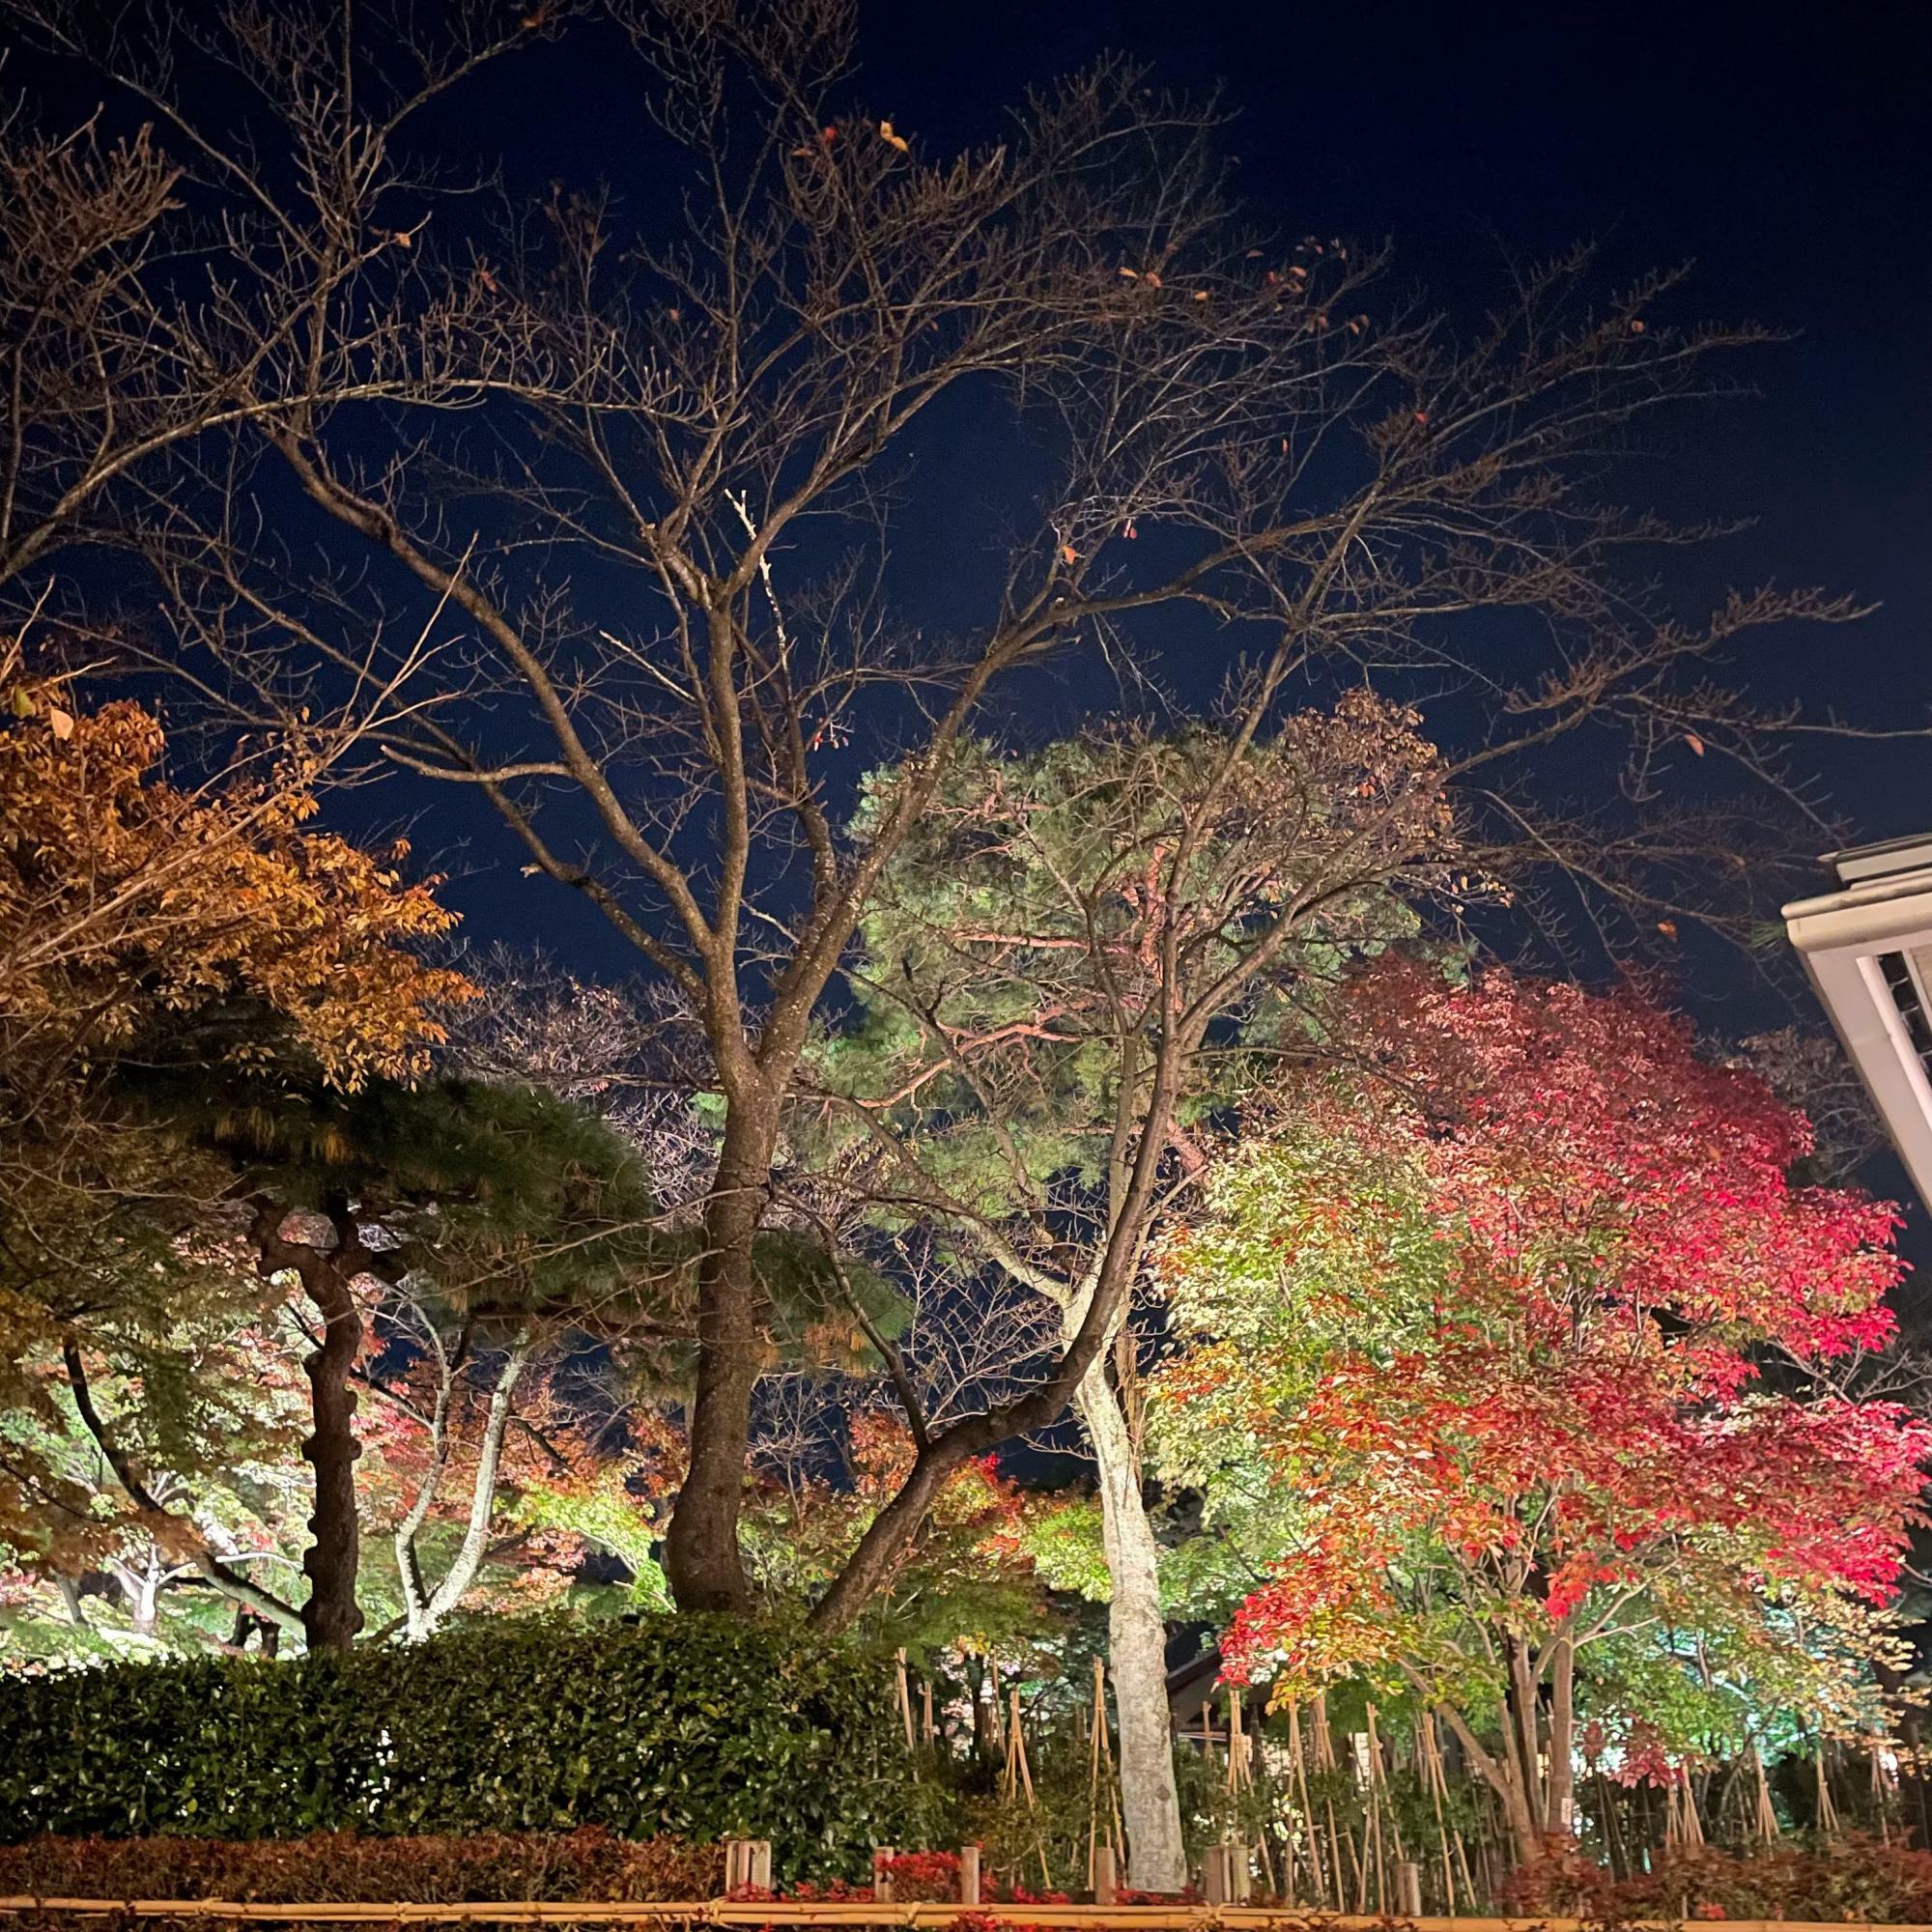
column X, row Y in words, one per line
column 1828, row 1814
column 1298, row 1751
column 905, row 1703
column 1019, row 1776
column 1766, row 1821
column 1429, row 1762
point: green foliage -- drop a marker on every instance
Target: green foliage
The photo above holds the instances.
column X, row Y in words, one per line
column 699, row 1726
column 608, row 1517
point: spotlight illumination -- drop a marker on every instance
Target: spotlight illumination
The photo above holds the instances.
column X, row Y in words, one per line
column 1868, row 950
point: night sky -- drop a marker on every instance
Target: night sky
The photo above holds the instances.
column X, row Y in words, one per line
column 1790, row 159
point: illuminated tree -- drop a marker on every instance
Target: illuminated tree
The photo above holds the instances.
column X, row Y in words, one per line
column 1514, row 1322
column 1076, row 957
column 130, row 905
column 1227, row 427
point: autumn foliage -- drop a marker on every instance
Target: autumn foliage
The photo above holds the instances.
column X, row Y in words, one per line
column 122, row 893
column 130, row 902
column 1526, row 1314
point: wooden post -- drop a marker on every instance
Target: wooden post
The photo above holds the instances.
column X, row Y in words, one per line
column 969, row 1874
column 1408, row 1887
column 1214, row 1875
column 748, row 1865
column 1106, row 1878
column 882, row 1878
column 905, row 1701
column 1240, row 1874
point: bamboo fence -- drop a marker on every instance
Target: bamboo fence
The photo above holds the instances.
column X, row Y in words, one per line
column 782, row 1913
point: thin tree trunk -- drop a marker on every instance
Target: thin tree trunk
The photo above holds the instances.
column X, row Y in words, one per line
column 1559, row 1794
column 1504, row 1777
column 426, row 1609
column 1137, row 1647
column 1522, row 1707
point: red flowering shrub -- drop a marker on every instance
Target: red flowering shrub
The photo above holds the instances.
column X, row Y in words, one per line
column 922, row 1877
column 1854, row 1879
column 332, row 1867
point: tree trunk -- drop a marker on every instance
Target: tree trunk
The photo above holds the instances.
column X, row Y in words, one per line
column 1503, row 1775
column 1560, row 1793
column 1137, row 1647
column 424, row 1609
column 331, row 1616
column 702, row 1560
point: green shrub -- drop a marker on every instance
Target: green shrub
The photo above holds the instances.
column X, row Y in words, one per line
column 696, row 1728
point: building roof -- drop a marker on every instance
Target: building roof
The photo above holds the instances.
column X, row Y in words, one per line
column 1867, row 947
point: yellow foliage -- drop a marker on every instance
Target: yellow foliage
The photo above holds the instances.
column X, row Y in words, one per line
column 122, row 895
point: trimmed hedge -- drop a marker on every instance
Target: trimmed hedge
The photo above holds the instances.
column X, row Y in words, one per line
column 332, row 1867
column 693, row 1728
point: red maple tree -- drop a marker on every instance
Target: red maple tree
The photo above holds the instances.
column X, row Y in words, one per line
column 1531, row 1316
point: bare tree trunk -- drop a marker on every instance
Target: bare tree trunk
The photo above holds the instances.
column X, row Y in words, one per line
column 1504, row 1777
column 331, row 1616
column 1520, row 1708
column 703, row 1559
column 1137, row 1647
column 424, row 1607
column 1560, row 1793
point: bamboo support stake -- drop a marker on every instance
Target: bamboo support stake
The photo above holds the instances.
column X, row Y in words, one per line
column 1093, row 1731
column 1019, row 1776
column 1324, row 1760
column 1378, row 1803
column 905, row 1703
column 1429, row 1762
column 1298, row 1752
column 1827, row 1812
column 1765, row 1824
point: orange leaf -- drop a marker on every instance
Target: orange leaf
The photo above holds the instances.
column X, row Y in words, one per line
column 1695, row 743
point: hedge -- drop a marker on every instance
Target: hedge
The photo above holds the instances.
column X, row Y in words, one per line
column 1848, row 1877
column 338, row 1867
column 693, row 1728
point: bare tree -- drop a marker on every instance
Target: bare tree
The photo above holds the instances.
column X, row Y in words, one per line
column 428, row 1600
column 719, row 418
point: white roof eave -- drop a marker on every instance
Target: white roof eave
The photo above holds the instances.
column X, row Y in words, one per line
column 1839, row 937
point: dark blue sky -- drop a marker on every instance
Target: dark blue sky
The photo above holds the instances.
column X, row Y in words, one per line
column 1789, row 158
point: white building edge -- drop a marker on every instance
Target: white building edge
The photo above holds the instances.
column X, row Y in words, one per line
column 1868, row 949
